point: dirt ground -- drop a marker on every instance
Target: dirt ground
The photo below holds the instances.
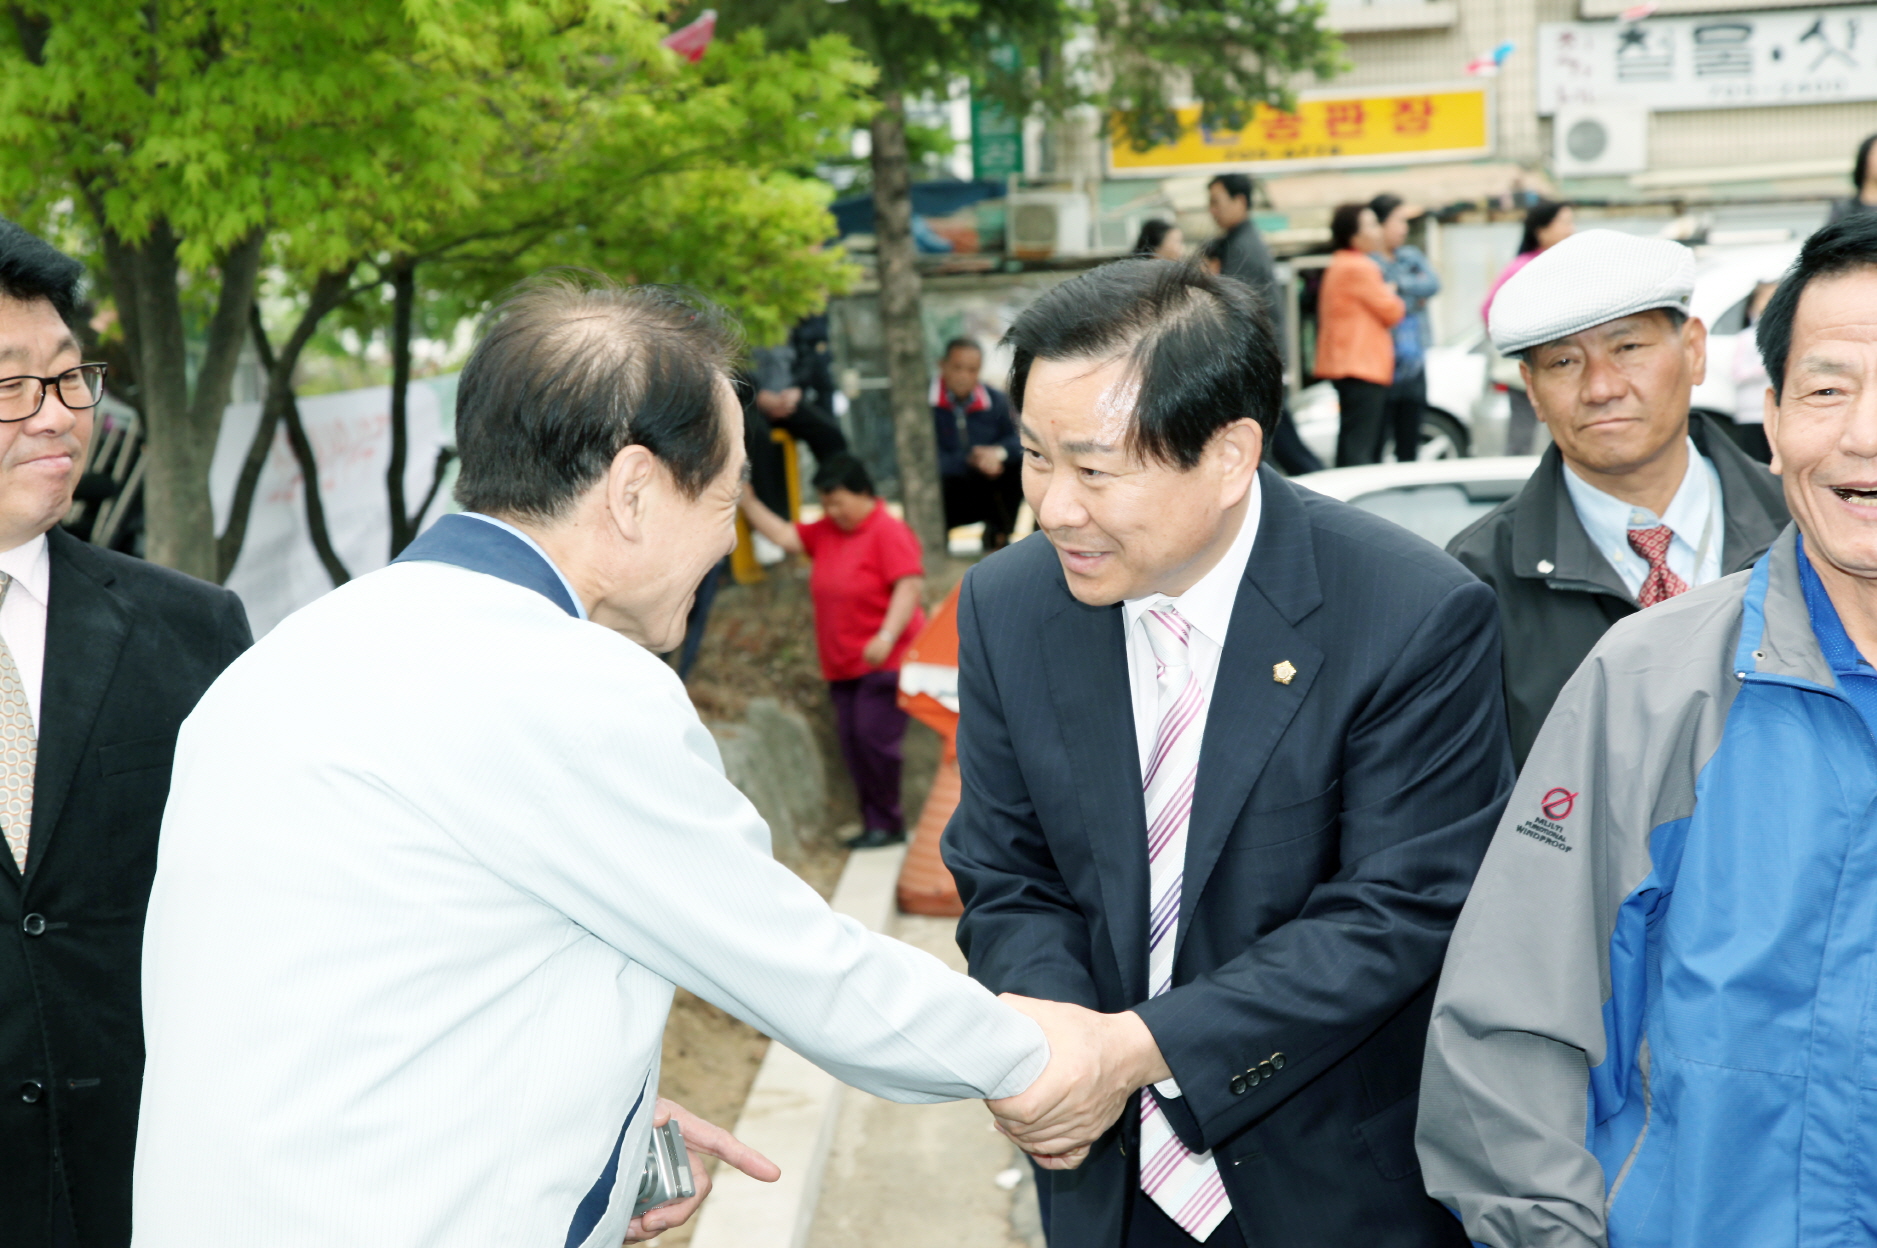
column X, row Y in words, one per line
column 761, row 643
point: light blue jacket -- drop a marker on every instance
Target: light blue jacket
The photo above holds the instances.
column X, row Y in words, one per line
column 1657, row 1023
column 1416, row 282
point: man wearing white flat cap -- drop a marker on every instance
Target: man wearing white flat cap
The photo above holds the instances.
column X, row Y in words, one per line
column 1634, row 502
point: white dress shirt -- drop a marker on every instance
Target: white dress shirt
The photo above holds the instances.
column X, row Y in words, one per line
column 1207, row 606
column 1694, row 515
column 23, row 615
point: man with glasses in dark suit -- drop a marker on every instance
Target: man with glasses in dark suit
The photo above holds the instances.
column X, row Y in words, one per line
column 101, row 657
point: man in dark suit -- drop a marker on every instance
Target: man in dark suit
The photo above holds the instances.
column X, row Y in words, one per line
column 1231, row 754
column 101, row 657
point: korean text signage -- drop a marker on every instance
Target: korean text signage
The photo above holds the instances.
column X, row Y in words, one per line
column 1722, row 60
column 1326, row 131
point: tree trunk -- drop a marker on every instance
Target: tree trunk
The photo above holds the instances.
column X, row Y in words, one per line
column 180, row 428
column 179, row 525
column 403, row 300
column 280, row 405
column 904, row 330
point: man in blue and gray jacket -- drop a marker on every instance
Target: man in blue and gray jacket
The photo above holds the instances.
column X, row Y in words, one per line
column 1656, row 1023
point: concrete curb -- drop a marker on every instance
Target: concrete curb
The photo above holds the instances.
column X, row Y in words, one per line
column 793, row 1105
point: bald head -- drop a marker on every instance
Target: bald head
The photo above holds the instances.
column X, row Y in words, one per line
column 571, row 369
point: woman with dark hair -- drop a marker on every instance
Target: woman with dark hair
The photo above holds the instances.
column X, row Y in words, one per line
column 1356, row 309
column 1547, row 223
column 1863, row 179
column 1160, row 240
column 867, row 577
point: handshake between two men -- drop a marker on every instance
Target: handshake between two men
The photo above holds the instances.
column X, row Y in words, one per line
column 1096, row 1061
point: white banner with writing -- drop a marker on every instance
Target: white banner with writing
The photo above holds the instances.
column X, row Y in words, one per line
column 1718, row 60
column 278, row 571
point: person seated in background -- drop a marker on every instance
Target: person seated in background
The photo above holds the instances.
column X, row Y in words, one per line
column 1160, row 240
column 1407, row 269
column 980, row 462
column 867, row 577
column 1356, row 309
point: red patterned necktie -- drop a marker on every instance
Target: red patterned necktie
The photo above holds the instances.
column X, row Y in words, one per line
column 1661, row 584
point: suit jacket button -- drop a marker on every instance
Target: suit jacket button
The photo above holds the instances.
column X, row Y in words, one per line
column 1277, row 1061
column 31, row 1091
column 34, row 925
column 1266, row 1069
column 1239, row 1085
column 1254, row 1077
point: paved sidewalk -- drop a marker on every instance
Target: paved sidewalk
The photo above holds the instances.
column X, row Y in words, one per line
column 923, row 1176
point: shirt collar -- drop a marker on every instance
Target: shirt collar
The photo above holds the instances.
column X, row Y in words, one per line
column 30, row 567
column 1608, row 519
column 579, row 606
column 1207, row 606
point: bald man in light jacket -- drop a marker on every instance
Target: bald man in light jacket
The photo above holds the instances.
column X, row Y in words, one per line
column 440, row 846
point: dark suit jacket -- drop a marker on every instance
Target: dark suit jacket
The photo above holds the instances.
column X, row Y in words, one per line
column 1558, row 595
column 129, row 648
column 1336, row 827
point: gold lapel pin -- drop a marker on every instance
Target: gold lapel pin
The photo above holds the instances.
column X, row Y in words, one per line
column 1283, row 673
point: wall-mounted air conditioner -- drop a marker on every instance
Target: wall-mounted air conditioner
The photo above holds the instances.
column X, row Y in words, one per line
column 1593, row 140
column 1042, row 224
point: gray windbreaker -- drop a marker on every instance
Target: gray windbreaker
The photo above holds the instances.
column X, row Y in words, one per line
column 1657, row 1023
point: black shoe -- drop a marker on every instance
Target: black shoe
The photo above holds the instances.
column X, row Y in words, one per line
column 877, row 838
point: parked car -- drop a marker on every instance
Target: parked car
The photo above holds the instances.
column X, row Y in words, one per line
column 1434, row 498
column 1456, row 386
column 1724, row 281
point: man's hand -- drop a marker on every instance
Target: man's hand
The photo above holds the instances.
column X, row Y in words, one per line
column 988, row 460
column 701, row 1140
column 878, row 647
column 1096, row 1061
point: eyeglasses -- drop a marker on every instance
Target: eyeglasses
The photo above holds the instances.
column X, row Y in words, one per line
column 79, row 388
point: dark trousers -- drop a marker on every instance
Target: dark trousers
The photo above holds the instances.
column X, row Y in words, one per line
column 699, row 619
column 1401, row 416
column 768, row 472
column 1359, row 435
column 1289, row 449
column 871, row 728
column 994, row 500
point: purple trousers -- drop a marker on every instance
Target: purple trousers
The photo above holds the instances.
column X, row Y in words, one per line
column 871, row 727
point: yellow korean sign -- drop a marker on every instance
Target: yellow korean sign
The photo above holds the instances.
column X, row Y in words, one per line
column 1324, row 132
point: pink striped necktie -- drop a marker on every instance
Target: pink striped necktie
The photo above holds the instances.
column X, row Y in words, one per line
column 1184, row 1184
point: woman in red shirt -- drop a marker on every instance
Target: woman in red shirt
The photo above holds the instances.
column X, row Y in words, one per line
column 866, row 582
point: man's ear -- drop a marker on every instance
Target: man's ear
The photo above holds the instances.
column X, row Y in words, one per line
column 1531, row 391
column 1694, row 336
column 1769, row 409
column 628, row 478
column 1241, row 450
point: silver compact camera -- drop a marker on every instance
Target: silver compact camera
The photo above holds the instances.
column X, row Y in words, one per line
column 667, row 1170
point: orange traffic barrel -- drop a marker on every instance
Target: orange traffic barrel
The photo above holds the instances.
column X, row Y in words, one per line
column 928, row 691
